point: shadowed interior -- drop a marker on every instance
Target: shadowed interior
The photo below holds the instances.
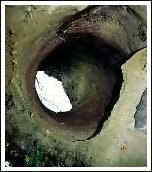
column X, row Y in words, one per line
column 91, row 76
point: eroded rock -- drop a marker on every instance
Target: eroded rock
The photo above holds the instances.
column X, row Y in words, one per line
column 118, row 144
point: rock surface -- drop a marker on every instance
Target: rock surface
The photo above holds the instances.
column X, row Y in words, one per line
column 141, row 113
column 30, row 140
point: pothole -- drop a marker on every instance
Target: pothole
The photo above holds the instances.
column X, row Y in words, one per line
column 28, row 120
column 77, row 83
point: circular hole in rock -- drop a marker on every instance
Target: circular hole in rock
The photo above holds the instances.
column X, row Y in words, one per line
column 79, row 82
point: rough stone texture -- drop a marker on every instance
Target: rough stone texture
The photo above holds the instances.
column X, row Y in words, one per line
column 141, row 113
column 119, row 144
column 120, row 26
column 141, row 11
